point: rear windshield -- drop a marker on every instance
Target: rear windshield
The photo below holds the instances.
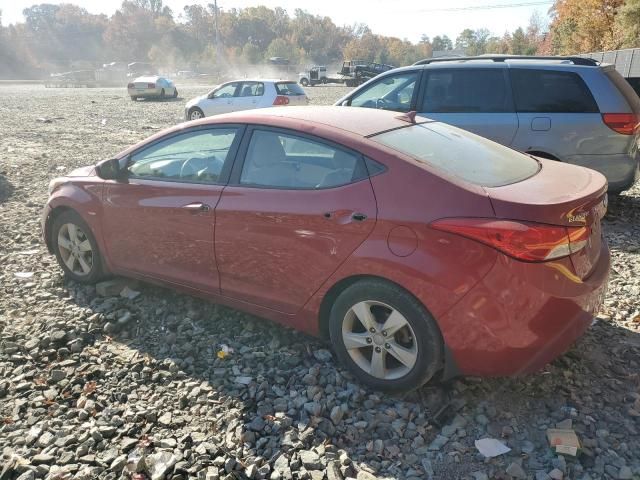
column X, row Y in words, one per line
column 460, row 153
column 289, row 88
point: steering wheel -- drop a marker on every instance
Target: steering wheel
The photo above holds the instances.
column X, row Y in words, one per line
column 383, row 103
column 188, row 168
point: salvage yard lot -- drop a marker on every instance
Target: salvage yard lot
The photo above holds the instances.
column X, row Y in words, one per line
column 89, row 383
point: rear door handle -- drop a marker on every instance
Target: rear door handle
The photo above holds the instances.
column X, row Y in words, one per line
column 359, row 217
column 197, row 207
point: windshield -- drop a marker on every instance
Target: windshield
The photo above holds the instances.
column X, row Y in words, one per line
column 460, row 153
column 289, row 88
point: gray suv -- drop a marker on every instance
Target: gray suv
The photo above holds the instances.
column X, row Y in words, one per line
column 570, row 109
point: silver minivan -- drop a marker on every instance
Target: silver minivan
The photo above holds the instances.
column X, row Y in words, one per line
column 570, row 109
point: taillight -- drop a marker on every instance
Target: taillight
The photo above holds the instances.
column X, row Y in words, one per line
column 281, row 100
column 130, row 85
column 533, row 242
column 151, row 85
column 625, row 123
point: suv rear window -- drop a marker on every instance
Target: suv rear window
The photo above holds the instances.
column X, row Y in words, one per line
column 466, row 90
column 460, row 153
column 289, row 88
column 551, row 91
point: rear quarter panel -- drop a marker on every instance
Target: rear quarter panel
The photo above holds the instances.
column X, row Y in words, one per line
column 436, row 268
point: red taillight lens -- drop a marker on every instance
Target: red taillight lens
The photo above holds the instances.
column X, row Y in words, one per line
column 151, row 85
column 533, row 242
column 281, row 100
column 625, row 123
column 130, row 85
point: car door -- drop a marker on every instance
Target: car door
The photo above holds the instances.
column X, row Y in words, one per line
column 557, row 113
column 249, row 95
column 159, row 221
column 395, row 92
column 221, row 100
column 295, row 209
column 476, row 99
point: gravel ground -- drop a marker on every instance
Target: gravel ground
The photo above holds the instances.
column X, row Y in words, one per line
column 110, row 387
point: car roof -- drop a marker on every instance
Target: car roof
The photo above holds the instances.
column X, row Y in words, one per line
column 359, row 121
column 488, row 63
column 263, row 80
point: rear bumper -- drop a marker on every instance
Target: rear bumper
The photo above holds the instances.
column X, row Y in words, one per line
column 522, row 315
column 621, row 170
column 155, row 92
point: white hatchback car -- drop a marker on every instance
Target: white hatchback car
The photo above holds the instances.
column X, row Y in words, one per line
column 245, row 95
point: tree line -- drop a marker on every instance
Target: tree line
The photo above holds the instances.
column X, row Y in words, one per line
column 57, row 37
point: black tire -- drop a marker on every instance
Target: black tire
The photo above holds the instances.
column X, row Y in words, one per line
column 175, row 93
column 162, row 94
column 96, row 271
column 134, row 98
column 428, row 339
column 304, row 82
column 198, row 111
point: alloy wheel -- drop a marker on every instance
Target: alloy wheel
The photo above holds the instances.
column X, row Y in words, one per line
column 196, row 115
column 380, row 340
column 75, row 249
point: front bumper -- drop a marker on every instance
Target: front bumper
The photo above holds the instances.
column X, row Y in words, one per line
column 523, row 315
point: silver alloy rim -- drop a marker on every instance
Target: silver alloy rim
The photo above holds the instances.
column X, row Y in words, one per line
column 75, row 249
column 379, row 340
column 195, row 115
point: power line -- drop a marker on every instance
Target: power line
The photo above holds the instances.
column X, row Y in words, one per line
column 487, row 7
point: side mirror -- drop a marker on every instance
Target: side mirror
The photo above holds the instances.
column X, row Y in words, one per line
column 109, row 169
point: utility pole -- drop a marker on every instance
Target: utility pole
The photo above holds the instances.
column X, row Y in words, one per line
column 215, row 22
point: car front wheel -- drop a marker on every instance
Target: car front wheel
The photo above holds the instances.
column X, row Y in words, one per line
column 76, row 248
column 196, row 114
column 384, row 336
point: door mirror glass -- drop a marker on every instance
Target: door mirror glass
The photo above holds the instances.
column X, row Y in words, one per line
column 109, row 169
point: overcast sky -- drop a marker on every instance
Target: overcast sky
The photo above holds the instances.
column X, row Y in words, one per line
column 400, row 18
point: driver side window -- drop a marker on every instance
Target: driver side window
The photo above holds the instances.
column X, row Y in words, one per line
column 393, row 92
column 226, row 91
column 189, row 157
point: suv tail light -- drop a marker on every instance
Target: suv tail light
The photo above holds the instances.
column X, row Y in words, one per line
column 151, row 85
column 281, row 100
column 624, row 123
column 532, row 242
column 130, row 85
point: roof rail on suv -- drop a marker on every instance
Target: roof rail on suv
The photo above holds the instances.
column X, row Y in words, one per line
column 501, row 58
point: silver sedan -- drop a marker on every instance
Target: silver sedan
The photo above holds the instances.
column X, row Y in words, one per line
column 152, row 87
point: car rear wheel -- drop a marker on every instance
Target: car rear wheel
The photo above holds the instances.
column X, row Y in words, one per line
column 384, row 336
column 162, row 93
column 76, row 248
column 175, row 93
column 304, row 82
column 195, row 114
column 134, row 98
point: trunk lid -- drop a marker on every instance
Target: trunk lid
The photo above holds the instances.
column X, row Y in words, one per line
column 559, row 194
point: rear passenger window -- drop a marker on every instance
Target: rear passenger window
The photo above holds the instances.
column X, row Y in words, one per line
column 466, row 90
column 550, row 91
column 252, row 89
column 286, row 161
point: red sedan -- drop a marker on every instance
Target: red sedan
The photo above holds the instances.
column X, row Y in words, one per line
column 416, row 248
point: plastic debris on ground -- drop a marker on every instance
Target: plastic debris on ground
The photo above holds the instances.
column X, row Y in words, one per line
column 23, row 274
column 224, row 351
column 490, row 447
column 129, row 293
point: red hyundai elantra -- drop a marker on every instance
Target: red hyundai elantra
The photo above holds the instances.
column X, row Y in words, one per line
column 416, row 248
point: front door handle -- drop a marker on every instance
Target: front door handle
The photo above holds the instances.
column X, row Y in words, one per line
column 197, row 207
column 359, row 217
